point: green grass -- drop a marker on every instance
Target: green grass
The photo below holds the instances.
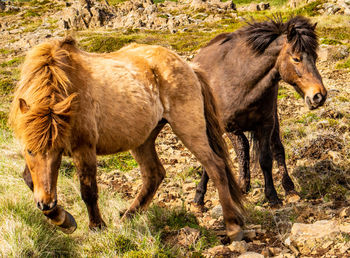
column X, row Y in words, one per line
column 13, row 62
column 333, row 42
column 344, row 65
column 122, row 161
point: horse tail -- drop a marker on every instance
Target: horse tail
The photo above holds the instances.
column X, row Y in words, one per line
column 215, row 132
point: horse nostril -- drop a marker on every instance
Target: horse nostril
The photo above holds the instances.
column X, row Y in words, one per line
column 317, row 98
column 53, row 204
column 45, row 207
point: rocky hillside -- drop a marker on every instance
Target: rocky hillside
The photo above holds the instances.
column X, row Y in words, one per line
column 316, row 142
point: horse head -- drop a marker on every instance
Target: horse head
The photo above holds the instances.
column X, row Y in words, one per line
column 297, row 61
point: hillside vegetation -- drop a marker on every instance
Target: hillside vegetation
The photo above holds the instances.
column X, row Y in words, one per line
column 316, row 143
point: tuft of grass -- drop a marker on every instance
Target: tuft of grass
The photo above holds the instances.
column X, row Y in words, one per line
column 124, row 244
column 122, row 161
column 105, row 44
column 344, row 65
column 13, row 62
column 311, row 9
column 333, row 42
column 323, row 180
column 261, row 217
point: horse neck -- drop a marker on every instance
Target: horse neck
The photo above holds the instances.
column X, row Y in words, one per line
column 260, row 73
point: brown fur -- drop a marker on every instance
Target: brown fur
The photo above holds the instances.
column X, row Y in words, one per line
column 44, row 85
column 244, row 68
column 95, row 104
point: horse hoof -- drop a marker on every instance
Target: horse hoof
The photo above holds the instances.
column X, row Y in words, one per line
column 235, row 233
column 127, row 215
column 97, row 226
column 197, row 208
column 69, row 225
column 275, row 204
column 292, row 197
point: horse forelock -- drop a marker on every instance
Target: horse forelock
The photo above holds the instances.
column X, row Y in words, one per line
column 44, row 86
column 305, row 38
column 259, row 35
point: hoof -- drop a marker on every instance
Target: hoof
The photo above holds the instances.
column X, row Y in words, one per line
column 97, row 226
column 69, row 225
column 61, row 218
column 275, row 203
column 235, row 233
column 197, row 208
column 127, row 215
column 292, row 197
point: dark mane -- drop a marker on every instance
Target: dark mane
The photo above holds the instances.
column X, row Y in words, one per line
column 299, row 30
column 259, row 35
column 301, row 34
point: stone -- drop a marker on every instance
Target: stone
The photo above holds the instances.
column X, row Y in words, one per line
column 238, row 246
column 217, row 212
column 345, row 212
column 251, row 255
column 317, row 238
column 249, row 234
column 219, row 250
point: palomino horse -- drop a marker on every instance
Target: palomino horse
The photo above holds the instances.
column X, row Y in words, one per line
column 89, row 104
column 244, row 68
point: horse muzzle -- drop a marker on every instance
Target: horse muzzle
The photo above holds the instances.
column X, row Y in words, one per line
column 46, row 207
column 315, row 101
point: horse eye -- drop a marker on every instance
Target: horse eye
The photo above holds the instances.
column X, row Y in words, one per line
column 30, row 152
column 296, row 59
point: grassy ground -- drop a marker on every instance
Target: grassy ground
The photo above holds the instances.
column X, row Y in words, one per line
column 312, row 157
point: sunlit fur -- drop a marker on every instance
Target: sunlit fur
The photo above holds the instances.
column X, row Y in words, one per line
column 44, row 86
column 97, row 104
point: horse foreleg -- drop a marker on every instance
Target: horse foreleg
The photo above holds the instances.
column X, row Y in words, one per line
column 85, row 162
column 279, row 156
column 201, row 189
column 152, row 172
column 28, row 178
column 265, row 159
column 241, row 146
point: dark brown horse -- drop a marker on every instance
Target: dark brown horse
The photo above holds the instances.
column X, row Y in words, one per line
column 244, row 68
column 96, row 104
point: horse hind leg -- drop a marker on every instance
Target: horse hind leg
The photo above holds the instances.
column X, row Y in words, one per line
column 201, row 189
column 190, row 127
column 152, row 172
column 279, row 155
column 241, row 146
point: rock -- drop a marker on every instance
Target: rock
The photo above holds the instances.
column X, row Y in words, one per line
column 188, row 236
column 216, row 212
column 238, row 246
column 317, row 238
column 345, row 212
column 251, row 255
column 219, row 250
column 249, row 234
column 2, row 6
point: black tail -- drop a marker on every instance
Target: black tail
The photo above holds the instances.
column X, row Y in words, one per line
column 217, row 143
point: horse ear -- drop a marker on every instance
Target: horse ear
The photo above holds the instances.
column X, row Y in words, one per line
column 314, row 26
column 23, row 106
column 291, row 32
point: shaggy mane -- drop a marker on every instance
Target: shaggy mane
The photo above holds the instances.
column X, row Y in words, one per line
column 259, row 35
column 44, row 87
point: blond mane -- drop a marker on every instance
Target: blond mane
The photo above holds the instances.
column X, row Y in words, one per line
column 44, row 87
